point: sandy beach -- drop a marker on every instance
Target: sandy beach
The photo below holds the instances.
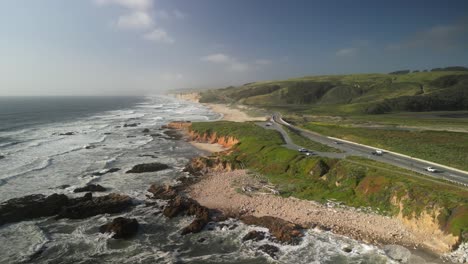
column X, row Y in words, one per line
column 211, row 148
column 229, row 113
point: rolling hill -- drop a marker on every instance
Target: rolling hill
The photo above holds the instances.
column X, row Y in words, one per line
column 443, row 89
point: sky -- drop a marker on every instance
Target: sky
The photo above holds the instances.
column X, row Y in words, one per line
column 136, row 47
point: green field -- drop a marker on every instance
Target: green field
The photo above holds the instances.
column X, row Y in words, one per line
column 448, row 148
column 353, row 94
column 353, row 181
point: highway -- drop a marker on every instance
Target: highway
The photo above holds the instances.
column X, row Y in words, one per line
column 354, row 149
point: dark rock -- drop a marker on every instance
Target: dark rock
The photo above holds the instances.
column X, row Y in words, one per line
column 90, row 188
column 131, row 136
column 90, row 147
column 201, row 240
column 254, row 235
column 148, row 167
column 67, row 134
column 121, row 227
column 182, row 205
column 347, row 249
column 324, row 228
column 269, row 249
column 194, row 227
column 63, row 186
column 90, row 206
column 162, row 192
column 146, row 130
column 131, row 125
column 2, row 157
column 398, row 253
column 187, row 181
column 148, row 155
column 107, row 133
column 282, row 230
column 31, row 206
column 173, row 134
column 100, row 173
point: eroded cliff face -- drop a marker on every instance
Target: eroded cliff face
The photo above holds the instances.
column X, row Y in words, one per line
column 212, row 138
column 205, row 165
column 427, row 225
column 225, row 141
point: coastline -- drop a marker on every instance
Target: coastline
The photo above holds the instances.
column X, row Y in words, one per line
column 235, row 114
column 369, row 228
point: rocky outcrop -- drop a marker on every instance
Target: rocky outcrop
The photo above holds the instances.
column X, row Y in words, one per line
column 67, row 134
column 146, row 130
column 270, row 250
column 182, row 205
column 225, row 141
column 31, row 206
column 173, row 134
column 163, row 192
column 148, row 167
column 105, row 171
column 179, row 205
column 178, row 125
column 131, row 125
column 90, row 206
column 283, row 231
column 121, row 227
column 398, row 253
column 90, row 188
column 254, row 235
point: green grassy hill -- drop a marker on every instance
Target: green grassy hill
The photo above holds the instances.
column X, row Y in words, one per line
column 353, row 181
column 354, row 94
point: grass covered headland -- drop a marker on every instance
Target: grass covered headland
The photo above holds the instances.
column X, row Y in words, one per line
column 439, row 90
column 353, row 181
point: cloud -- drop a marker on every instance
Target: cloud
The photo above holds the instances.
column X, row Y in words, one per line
column 174, row 14
column 158, row 35
column 439, row 38
column 141, row 16
column 171, row 76
column 142, row 5
column 217, row 58
column 346, row 52
column 263, row 62
column 179, row 14
column 239, row 66
column 135, row 20
column 231, row 63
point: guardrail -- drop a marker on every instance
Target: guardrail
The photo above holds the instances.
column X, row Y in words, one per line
column 388, row 151
column 401, row 155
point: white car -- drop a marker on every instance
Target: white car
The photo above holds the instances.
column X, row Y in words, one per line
column 431, row 169
column 302, row 150
column 268, row 124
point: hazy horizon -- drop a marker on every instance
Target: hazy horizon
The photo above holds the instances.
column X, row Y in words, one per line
column 139, row 47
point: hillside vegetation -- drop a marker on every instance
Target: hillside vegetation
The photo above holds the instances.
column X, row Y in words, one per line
column 352, row 181
column 437, row 90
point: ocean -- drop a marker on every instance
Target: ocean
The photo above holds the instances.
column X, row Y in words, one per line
column 55, row 144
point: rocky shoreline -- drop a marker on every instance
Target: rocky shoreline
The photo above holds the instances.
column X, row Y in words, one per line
column 202, row 195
